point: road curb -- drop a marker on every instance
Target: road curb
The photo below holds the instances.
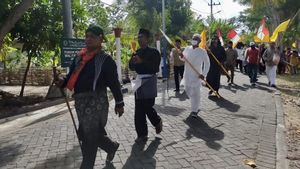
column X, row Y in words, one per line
column 281, row 146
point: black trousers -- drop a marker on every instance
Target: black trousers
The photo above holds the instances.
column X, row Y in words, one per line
column 214, row 77
column 178, row 70
column 239, row 63
column 231, row 68
column 144, row 107
column 90, row 144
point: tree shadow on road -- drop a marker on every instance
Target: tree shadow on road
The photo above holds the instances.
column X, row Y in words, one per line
column 224, row 103
column 200, row 129
column 139, row 158
column 9, row 153
column 169, row 110
column 49, row 116
column 181, row 96
column 260, row 87
column 67, row 160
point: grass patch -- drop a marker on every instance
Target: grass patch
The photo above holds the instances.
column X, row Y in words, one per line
column 289, row 81
column 289, row 84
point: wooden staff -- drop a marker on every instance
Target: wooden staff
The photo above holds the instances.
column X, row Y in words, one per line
column 69, row 108
column 219, row 63
column 190, row 64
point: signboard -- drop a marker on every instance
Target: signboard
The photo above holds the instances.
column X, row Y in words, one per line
column 69, row 49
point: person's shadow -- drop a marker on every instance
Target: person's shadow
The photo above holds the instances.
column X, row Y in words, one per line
column 139, row 158
column 223, row 103
column 181, row 96
column 200, row 129
column 234, row 88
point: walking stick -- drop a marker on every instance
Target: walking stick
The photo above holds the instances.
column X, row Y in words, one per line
column 219, row 63
column 190, row 64
column 69, row 108
column 208, row 85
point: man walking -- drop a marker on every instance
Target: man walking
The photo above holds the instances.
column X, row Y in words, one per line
column 252, row 57
column 271, row 67
column 91, row 72
column 178, row 64
column 192, row 82
column 230, row 63
column 145, row 62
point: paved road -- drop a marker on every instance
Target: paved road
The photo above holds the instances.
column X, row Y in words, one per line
column 240, row 126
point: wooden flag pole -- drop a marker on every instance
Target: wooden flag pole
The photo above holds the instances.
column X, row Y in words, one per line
column 219, row 63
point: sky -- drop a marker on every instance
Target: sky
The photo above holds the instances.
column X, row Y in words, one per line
column 226, row 10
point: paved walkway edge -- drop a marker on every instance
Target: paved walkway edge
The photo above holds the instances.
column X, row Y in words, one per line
column 27, row 110
column 281, row 156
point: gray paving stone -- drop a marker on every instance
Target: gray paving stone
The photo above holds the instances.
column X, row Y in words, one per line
column 240, row 126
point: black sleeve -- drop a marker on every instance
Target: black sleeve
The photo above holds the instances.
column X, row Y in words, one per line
column 223, row 55
column 71, row 70
column 111, row 77
column 150, row 64
column 131, row 64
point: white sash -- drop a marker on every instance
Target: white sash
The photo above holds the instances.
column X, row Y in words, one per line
column 135, row 84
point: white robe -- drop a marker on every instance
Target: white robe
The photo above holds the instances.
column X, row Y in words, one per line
column 199, row 59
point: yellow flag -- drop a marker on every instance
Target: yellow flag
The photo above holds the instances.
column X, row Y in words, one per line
column 280, row 28
column 265, row 39
column 294, row 45
column 203, row 39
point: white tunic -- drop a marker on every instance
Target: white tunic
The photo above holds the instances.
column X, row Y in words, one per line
column 199, row 59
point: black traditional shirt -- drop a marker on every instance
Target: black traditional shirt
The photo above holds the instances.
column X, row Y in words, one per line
column 150, row 61
column 107, row 78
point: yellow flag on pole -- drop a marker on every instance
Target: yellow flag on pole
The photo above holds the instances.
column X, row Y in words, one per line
column 265, row 39
column 280, row 28
column 203, row 39
column 294, row 45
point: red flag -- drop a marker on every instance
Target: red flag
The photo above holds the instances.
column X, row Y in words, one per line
column 220, row 36
column 233, row 36
column 262, row 31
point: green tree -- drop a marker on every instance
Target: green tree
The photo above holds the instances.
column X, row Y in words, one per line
column 148, row 14
column 10, row 14
column 97, row 13
column 276, row 11
column 180, row 16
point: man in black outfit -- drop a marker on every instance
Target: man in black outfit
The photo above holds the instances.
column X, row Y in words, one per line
column 145, row 62
column 91, row 72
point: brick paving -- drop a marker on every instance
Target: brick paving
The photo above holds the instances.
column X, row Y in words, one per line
column 240, row 126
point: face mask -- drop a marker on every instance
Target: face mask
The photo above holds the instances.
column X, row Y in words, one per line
column 194, row 42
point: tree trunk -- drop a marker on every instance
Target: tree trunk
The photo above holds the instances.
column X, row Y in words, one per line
column 25, row 75
column 13, row 17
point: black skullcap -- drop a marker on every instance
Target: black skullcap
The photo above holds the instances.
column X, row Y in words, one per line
column 178, row 40
column 145, row 32
column 97, row 30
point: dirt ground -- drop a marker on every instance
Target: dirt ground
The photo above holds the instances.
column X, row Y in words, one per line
column 290, row 88
column 10, row 102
